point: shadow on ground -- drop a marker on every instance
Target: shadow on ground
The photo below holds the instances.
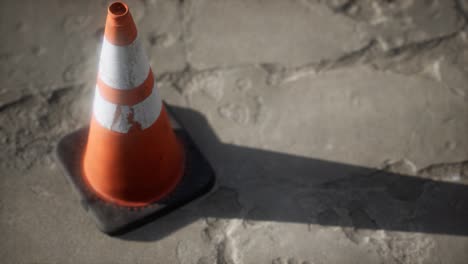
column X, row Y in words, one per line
column 278, row 187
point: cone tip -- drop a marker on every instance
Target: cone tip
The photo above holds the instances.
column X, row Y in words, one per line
column 120, row 27
column 118, row 9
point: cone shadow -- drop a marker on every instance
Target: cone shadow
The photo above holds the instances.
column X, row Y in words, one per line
column 260, row 185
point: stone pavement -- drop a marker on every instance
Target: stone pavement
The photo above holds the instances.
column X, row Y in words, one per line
column 295, row 103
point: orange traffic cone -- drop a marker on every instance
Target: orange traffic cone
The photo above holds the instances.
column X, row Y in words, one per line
column 132, row 157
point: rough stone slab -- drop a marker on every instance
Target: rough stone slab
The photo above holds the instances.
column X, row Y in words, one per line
column 406, row 22
column 295, row 148
column 395, row 24
column 347, row 114
column 364, row 117
column 284, row 32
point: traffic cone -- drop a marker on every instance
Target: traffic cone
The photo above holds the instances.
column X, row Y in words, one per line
column 132, row 157
column 130, row 164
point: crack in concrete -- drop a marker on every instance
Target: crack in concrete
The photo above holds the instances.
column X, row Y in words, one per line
column 458, row 5
column 57, row 94
column 347, row 59
column 278, row 73
column 417, row 47
column 221, row 232
column 337, row 7
column 184, row 9
column 52, row 96
column 226, row 250
column 453, row 171
column 19, row 101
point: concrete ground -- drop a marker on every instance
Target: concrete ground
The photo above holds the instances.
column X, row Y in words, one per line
column 296, row 104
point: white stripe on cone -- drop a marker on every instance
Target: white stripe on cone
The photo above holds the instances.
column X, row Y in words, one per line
column 116, row 117
column 123, row 67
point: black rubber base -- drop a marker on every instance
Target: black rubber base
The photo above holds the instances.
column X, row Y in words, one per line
column 113, row 219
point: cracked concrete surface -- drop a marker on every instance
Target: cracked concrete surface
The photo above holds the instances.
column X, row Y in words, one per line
column 337, row 129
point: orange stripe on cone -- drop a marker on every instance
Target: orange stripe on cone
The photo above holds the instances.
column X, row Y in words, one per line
column 127, row 97
column 132, row 156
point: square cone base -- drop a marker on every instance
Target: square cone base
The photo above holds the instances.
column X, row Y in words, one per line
column 113, row 219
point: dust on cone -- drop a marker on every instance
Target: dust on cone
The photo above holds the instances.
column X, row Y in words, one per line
column 132, row 157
